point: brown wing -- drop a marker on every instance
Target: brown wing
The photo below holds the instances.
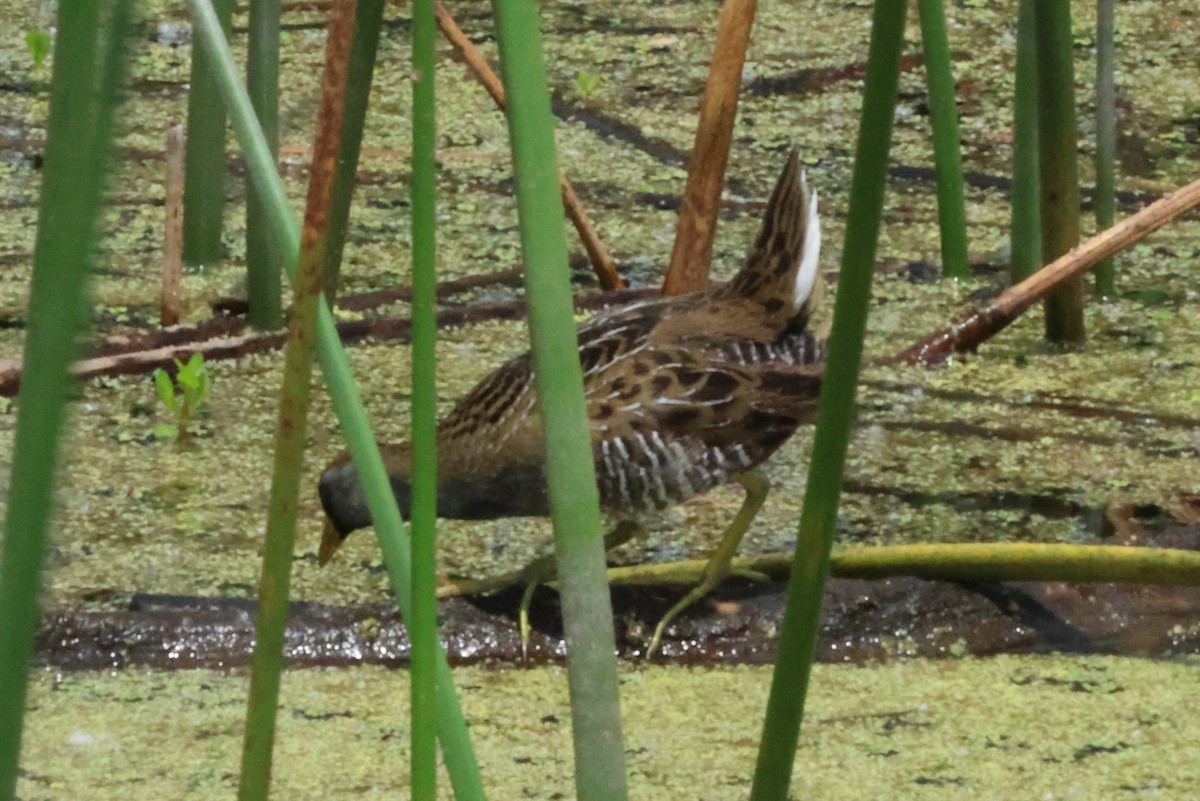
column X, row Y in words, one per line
column 499, row 416
column 691, row 418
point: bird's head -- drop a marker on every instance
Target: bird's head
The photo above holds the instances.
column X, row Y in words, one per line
column 345, row 503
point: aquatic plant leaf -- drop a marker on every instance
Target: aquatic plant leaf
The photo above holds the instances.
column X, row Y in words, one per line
column 165, row 431
column 37, row 43
column 165, row 389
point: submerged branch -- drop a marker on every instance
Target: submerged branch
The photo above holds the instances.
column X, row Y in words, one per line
column 969, row 330
column 224, row 338
column 1006, row 561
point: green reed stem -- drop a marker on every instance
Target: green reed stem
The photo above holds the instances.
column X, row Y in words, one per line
column 347, row 402
column 1025, row 238
column 1059, row 168
column 1106, row 137
column 422, row 626
column 947, row 153
column 88, row 63
column 263, row 274
column 255, row 781
column 204, row 161
column 367, row 24
column 798, row 636
column 574, row 498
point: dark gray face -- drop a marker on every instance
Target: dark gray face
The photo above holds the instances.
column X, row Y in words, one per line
column 517, row 492
column 346, row 505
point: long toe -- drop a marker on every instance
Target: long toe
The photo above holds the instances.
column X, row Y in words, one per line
column 712, row 579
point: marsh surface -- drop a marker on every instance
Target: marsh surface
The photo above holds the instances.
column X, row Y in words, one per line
column 1018, row 442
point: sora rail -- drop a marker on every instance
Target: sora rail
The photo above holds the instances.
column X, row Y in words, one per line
column 684, row 394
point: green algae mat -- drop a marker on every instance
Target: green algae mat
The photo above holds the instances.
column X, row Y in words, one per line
column 1054, row 728
column 1017, row 442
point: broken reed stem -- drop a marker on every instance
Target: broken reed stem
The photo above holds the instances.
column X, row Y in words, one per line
column 1001, row 561
column 224, row 338
column 172, row 268
column 470, row 54
column 970, row 329
column 697, row 225
column 598, row 255
column 294, row 401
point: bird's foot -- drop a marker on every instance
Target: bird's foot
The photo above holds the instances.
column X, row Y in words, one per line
column 712, row 578
column 720, row 564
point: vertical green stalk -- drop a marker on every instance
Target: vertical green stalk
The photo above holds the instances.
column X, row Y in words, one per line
column 801, row 621
column 1026, row 235
column 255, row 781
column 88, row 62
column 422, row 626
column 1059, row 167
column 367, row 24
column 264, row 277
column 347, row 402
column 947, row 154
column 204, row 171
column 574, row 499
column 1106, row 136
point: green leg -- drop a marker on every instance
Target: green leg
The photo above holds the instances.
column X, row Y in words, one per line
column 543, row 570
column 719, row 564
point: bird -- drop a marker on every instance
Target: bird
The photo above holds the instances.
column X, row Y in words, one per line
column 684, row 394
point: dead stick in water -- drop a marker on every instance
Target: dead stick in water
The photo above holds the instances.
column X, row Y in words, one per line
column 233, row 345
column 599, row 256
column 122, row 353
column 137, row 352
column 363, row 301
column 697, row 225
column 970, row 329
column 172, row 268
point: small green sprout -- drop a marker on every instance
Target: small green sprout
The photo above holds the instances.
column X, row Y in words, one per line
column 184, row 396
column 587, row 83
column 37, row 43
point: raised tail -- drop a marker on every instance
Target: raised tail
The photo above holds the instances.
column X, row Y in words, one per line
column 781, row 268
